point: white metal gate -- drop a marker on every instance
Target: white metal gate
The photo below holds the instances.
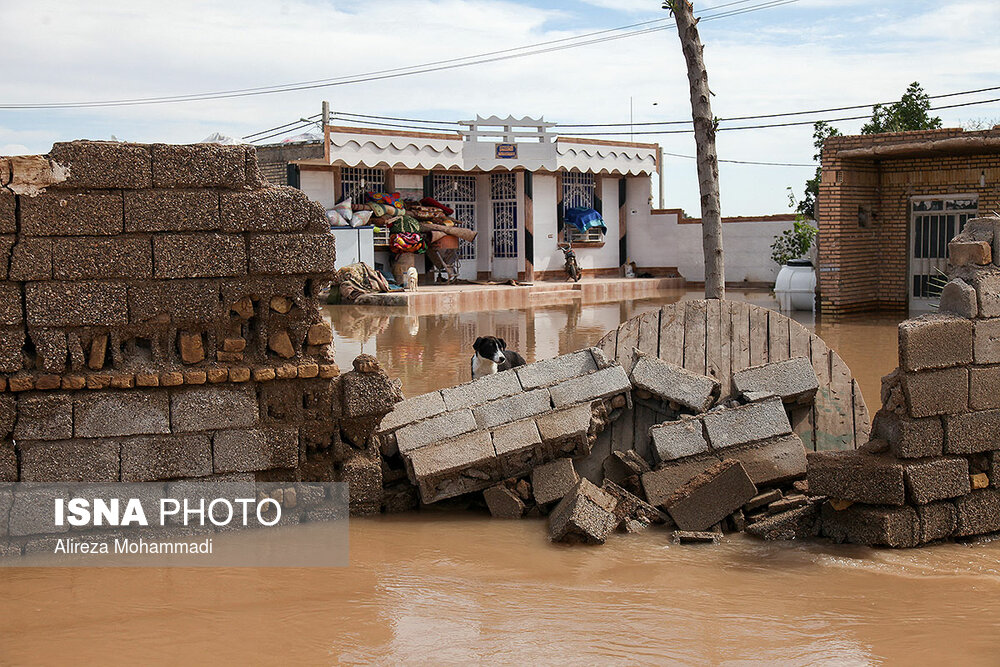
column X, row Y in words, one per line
column 503, row 202
column 459, row 192
column 934, row 222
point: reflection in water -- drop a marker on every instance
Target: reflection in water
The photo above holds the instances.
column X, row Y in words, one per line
column 438, row 588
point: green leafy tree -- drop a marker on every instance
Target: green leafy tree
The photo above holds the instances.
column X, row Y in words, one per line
column 807, row 207
column 909, row 113
column 795, row 242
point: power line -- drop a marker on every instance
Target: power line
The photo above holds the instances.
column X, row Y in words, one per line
column 505, row 54
column 294, row 122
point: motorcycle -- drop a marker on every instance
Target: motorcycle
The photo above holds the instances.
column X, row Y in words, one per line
column 571, row 267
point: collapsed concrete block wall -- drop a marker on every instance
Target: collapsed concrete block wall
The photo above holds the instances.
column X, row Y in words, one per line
column 160, row 319
column 931, row 471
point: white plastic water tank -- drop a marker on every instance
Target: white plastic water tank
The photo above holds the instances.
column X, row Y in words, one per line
column 795, row 286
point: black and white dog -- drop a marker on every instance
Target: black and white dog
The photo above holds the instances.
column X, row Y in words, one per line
column 492, row 356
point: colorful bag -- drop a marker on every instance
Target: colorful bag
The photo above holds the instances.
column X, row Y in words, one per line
column 407, row 242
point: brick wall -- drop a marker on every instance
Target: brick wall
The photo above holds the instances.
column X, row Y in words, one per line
column 160, row 320
column 866, row 268
column 274, row 159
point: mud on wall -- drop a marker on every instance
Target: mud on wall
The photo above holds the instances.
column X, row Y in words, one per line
column 159, row 319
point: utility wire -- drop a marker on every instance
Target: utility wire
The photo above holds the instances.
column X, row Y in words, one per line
column 272, row 129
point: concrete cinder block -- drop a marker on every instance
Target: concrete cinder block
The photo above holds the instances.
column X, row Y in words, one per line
column 198, row 166
column 11, row 350
column 436, row 429
column 937, row 521
column 248, row 450
column 677, row 439
column 105, row 414
column 661, row 483
column 969, row 253
column 8, row 208
column 519, row 448
column 482, row 390
column 76, row 303
column 674, row 384
column 984, row 388
column 555, row 370
column 503, row 503
column 794, row 380
column 602, row 384
column 31, row 259
column 147, row 458
column 103, row 164
column 70, row 461
column 978, row 513
column 746, row 423
column 772, row 461
column 987, row 341
column 44, row 417
column 363, row 476
column 171, row 211
column 279, row 254
column 711, row 496
column 183, row 301
column 629, row 507
column 959, row 297
column 204, row 408
column 83, row 258
column 272, row 209
column 10, row 304
column 939, row 392
column 369, row 394
column 512, row 408
column 413, row 409
column 72, row 214
column 199, row 255
column 800, row 523
column 909, row 438
column 871, row 525
column 585, row 515
column 453, row 467
column 971, row 432
column 928, row 480
column 935, row 341
column 861, row 478
column 6, row 250
column 552, row 481
column 988, row 292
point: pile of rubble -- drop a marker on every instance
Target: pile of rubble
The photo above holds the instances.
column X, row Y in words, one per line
column 932, row 468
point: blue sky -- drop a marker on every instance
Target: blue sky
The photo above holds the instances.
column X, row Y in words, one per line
column 805, row 55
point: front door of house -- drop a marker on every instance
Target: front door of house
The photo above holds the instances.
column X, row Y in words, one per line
column 934, row 221
column 458, row 191
column 503, row 233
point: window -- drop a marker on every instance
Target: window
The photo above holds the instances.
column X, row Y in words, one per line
column 458, row 191
column 934, row 222
column 355, row 181
column 503, row 198
column 578, row 190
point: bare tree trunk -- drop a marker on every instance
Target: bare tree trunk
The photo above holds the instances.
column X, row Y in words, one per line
column 704, row 136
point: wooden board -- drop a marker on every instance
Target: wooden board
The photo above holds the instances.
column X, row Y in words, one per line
column 862, row 422
column 777, row 337
column 672, row 335
column 695, row 313
column 758, row 335
column 740, row 327
column 628, row 340
column 649, row 332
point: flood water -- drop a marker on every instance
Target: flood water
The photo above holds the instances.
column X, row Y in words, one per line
column 440, row 588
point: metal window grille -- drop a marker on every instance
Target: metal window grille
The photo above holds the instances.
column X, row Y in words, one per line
column 355, row 181
column 503, row 196
column 458, row 191
column 578, row 190
column 935, row 222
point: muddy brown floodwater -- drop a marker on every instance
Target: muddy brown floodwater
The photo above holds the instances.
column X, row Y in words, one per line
column 440, row 588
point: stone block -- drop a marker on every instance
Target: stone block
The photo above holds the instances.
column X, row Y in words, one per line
column 369, row 394
column 695, row 537
column 105, row 414
column 933, row 479
column 557, row 369
column 485, row 389
column 171, row 211
column 988, row 292
column 552, row 481
column 674, row 384
column 661, row 483
column 199, row 255
column 711, row 496
column 66, row 214
column 434, row 430
column 939, row 392
column 800, row 523
column 519, row 448
column 971, row 432
column 412, row 409
column 794, row 380
column 70, row 461
column 183, row 301
column 937, row 521
column 746, row 423
column 861, row 478
column 503, row 503
column 103, row 164
column 248, row 450
column 871, row 525
column 198, row 166
column 77, row 303
column 677, row 439
column 909, row 438
column 8, row 208
column 146, row 458
column 570, row 431
column 987, row 341
column 282, row 254
column 31, row 259
column 453, row 467
column 629, row 507
column 585, row 515
column 207, row 408
column 11, row 350
column 959, row 297
column 80, row 258
column 44, row 417
column 969, row 253
column 772, row 461
column 984, row 388
column 363, row 476
column 10, row 304
column 935, row 341
column 512, row 408
column 977, row 513
column 272, row 209
column 602, row 384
